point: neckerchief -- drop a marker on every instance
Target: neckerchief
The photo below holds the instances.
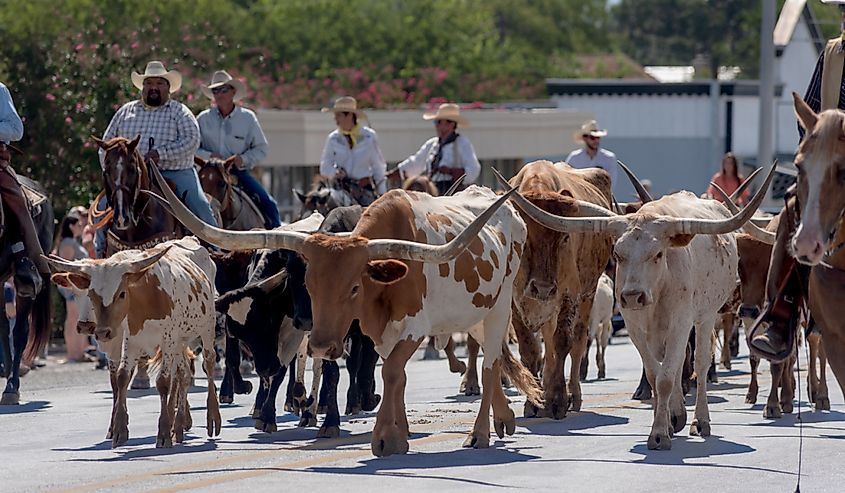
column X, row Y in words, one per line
column 439, row 155
column 351, row 136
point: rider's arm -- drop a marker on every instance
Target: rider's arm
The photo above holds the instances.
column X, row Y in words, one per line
column 415, row 163
column 470, row 163
column 327, row 160
column 11, row 127
column 204, row 152
column 256, row 149
column 185, row 147
column 379, row 167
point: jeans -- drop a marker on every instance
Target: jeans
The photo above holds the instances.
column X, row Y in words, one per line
column 187, row 184
column 266, row 204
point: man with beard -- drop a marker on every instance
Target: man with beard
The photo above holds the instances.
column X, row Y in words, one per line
column 591, row 155
column 169, row 133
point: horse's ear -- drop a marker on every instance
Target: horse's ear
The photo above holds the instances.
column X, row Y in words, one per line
column 228, row 164
column 199, row 161
column 806, row 116
column 100, row 143
column 134, row 143
column 299, row 195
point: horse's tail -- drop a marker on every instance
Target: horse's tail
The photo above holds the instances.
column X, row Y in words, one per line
column 41, row 319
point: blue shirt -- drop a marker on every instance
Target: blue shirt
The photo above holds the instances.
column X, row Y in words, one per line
column 11, row 126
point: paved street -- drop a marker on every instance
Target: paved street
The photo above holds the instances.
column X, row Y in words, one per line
column 55, row 441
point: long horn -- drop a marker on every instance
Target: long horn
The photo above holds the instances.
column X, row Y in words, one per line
column 585, row 209
column 229, row 240
column 272, row 282
column 58, row 264
column 422, row 252
column 638, row 186
column 721, row 226
column 745, row 184
column 141, row 264
column 455, row 185
column 752, row 229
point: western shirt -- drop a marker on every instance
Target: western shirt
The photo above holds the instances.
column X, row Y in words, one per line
column 11, row 126
column 175, row 133
column 364, row 160
column 457, row 154
column 237, row 133
column 604, row 159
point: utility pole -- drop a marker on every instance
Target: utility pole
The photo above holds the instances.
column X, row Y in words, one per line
column 765, row 144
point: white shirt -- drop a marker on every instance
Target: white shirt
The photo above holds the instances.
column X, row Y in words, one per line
column 362, row 161
column 604, row 159
column 237, row 133
column 456, row 154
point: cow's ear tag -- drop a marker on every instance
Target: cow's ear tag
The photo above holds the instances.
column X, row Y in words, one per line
column 386, row 271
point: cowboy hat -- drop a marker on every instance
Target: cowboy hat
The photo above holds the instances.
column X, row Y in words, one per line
column 346, row 104
column 448, row 111
column 589, row 128
column 222, row 78
column 156, row 69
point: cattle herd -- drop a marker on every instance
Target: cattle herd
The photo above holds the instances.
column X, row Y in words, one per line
column 529, row 263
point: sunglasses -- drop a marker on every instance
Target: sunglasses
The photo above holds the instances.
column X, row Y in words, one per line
column 438, row 122
column 590, row 137
column 221, row 90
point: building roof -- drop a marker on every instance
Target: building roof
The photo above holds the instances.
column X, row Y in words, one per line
column 792, row 12
column 616, row 87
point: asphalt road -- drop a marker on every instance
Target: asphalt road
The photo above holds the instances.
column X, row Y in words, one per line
column 55, row 441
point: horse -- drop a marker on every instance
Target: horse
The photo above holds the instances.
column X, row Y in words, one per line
column 134, row 219
column 325, row 194
column 16, row 344
column 237, row 210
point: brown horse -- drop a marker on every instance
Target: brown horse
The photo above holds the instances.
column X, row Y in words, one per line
column 237, row 210
column 819, row 236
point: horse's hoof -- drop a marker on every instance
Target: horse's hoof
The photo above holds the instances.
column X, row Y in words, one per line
column 265, row 426
column 470, row 388
column 246, row 388
column 141, row 383
column 227, row 399
column 772, row 411
column 328, row 432
column 822, row 404
column 530, row 410
column 10, row 399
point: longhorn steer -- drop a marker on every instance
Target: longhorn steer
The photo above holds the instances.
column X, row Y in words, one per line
column 556, row 282
column 162, row 298
column 437, row 288
column 675, row 267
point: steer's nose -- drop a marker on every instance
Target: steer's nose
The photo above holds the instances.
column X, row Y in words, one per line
column 86, row 327
column 635, row 298
column 541, row 290
column 330, row 351
column 103, row 333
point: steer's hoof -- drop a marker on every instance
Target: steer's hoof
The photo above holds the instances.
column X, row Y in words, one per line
column 786, row 407
column 141, row 383
column 119, row 438
column 659, row 441
column 328, row 432
column 502, row 427
column 822, row 404
column 265, row 426
column 307, row 420
column 530, row 410
column 678, row 421
column 369, row 403
column 477, row 440
column 458, row 366
column 555, row 409
column 750, row 398
column 772, row 411
column 10, row 399
column 575, row 404
column 352, row 410
column 227, row 399
column 389, row 442
column 699, row 428
column 643, row 393
column 164, row 442
column 470, row 387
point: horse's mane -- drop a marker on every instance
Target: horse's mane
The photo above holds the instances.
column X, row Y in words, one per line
column 420, row 183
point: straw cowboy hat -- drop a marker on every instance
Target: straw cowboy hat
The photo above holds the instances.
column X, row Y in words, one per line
column 589, row 128
column 222, row 78
column 346, row 104
column 448, row 111
column 156, row 69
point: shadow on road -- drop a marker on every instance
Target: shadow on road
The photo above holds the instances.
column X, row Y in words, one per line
column 192, row 444
column 585, row 420
column 27, row 407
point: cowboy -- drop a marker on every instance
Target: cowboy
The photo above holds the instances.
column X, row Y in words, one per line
column 446, row 157
column 26, row 251
column 169, row 137
column 592, row 155
column 787, row 280
column 228, row 130
column 352, row 153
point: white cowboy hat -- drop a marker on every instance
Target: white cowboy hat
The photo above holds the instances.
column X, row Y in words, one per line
column 448, row 111
column 222, row 78
column 346, row 104
column 589, row 128
column 156, row 69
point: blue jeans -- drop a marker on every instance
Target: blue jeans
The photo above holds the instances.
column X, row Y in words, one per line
column 187, row 184
column 266, row 204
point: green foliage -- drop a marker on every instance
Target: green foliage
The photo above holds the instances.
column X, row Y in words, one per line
column 68, row 64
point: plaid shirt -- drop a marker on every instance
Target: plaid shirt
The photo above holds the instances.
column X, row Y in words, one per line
column 172, row 126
